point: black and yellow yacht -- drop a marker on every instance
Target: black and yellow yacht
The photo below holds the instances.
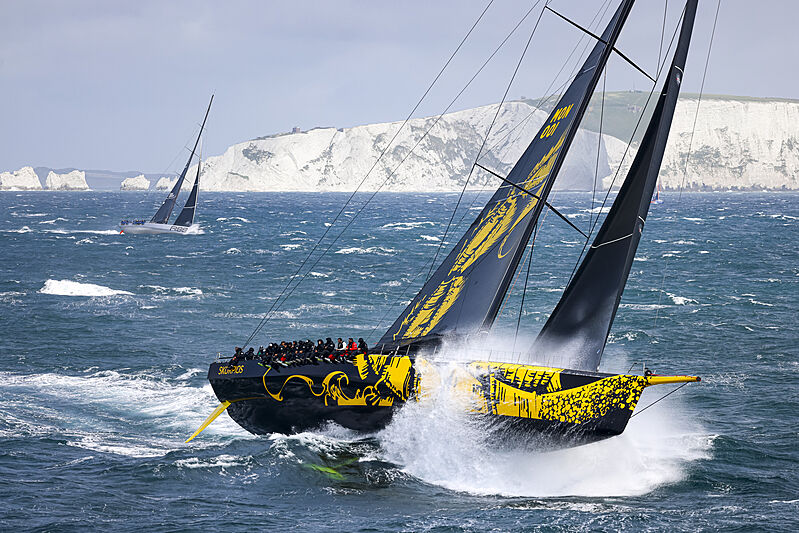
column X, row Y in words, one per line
column 462, row 298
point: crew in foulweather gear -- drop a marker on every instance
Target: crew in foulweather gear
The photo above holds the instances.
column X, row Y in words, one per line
column 237, row 356
column 362, row 346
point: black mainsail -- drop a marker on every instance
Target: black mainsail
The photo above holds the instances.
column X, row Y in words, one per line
column 580, row 324
column 186, row 215
column 162, row 215
column 465, row 293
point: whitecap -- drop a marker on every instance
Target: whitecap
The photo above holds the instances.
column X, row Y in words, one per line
column 67, row 287
column 158, row 289
column 680, row 300
column 231, row 251
column 377, row 250
column 407, row 225
column 23, row 229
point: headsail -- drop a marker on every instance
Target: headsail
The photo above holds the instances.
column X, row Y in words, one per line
column 465, row 293
column 162, row 215
column 579, row 326
column 186, row 215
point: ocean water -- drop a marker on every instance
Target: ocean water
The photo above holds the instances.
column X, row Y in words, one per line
column 105, row 341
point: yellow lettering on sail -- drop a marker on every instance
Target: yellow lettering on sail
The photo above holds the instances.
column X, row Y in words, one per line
column 497, row 224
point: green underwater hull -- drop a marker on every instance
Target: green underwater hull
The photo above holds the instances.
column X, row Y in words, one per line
column 523, row 401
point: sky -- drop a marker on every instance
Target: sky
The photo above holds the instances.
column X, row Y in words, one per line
column 96, row 84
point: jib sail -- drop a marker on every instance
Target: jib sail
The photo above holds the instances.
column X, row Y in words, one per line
column 579, row 326
column 186, row 215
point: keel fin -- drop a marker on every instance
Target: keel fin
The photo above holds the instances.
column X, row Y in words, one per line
column 218, row 411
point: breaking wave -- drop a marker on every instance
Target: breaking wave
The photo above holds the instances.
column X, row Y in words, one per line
column 183, row 291
column 113, row 412
column 407, row 225
column 377, row 250
column 65, row 287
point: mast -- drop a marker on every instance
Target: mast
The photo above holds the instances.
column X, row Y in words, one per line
column 580, row 324
column 465, row 293
column 162, row 215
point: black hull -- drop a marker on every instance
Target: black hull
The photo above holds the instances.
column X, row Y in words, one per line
column 513, row 404
column 265, row 416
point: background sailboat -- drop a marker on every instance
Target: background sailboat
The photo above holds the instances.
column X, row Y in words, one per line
column 184, row 223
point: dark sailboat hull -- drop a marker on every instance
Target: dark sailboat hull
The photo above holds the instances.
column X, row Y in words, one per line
column 520, row 403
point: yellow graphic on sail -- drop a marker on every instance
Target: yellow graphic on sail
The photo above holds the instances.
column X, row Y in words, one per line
column 497, row 224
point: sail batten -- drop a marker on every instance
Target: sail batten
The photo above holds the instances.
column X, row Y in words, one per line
column 578, row 328
column 165, row 211
column 466, row 292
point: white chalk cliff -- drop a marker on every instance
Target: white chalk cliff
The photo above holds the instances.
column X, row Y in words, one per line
column 329, row 159
column 165, row 184
column 24, row 179
column 71, row 181
column 739, row 143
column 139, row 183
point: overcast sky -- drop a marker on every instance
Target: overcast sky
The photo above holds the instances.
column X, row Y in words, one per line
column 122, row 85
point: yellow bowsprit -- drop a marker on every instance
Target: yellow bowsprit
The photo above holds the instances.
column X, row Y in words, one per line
column 218, row 411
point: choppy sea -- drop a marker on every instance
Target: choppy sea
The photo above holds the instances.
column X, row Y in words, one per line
column 105, row 341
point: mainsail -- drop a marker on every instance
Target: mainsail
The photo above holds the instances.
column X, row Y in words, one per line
column 162, row 215
column 465, row 293
column 186, row 215
column 579, row 326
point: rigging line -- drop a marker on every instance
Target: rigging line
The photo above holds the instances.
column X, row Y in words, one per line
column 278, row 303
column 690, row 145
column 599, row 13
column 601, row 40
column 550, row 206
column 603, row 9
column 662, row 33
column 383, row 152
column 624, row 155
column 656, row 401
column 524, row 291
column 598, row 148
column 485, row 139
column 550, row 95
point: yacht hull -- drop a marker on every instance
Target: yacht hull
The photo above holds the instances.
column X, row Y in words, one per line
column 522, row 402
column 151, row 228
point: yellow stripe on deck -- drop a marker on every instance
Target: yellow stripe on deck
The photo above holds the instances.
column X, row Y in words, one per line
column 218, row 411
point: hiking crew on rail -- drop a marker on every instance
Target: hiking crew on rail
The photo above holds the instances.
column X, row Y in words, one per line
column 303, row 352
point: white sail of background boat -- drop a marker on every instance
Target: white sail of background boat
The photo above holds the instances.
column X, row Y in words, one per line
column 184, row 224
